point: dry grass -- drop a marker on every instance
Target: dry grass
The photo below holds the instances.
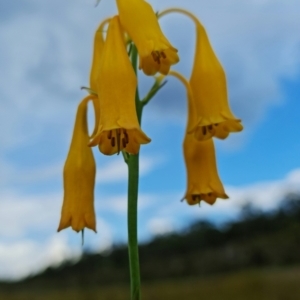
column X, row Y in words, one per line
column 270, row 284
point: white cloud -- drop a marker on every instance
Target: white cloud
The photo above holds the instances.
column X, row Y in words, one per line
column 104, row 240
column 160, row 226
column 24, row 216
column 20, row 258
column 118, row 204
column 116, row 169
column 263, row 195
column 28, row 238
column 257, row 42
column 11, row 175
column 266, row 195
column 45, row 56
column 20, row 214
column 44, row 63
column 113, row 170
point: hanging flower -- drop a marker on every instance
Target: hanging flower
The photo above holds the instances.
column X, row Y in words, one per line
column 79, row 178
column 208, row 83
column 203, row 182
column 118, row 126
column 140, row 22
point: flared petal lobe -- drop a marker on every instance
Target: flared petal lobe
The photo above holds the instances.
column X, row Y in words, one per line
column 140, row 22
column 208, row 83
column 118, row 127
column 203, row 182
column 79, row 178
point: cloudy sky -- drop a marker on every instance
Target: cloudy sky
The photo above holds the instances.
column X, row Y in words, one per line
column 45, row 55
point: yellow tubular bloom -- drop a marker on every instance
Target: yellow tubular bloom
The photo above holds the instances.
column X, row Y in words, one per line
column 79, row 178
column 203, row 182
column 208, row 83
column 118, row 127
column 140, row 22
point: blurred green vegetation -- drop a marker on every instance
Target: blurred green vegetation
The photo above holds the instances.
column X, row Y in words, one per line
column 271, row 284
column 257, row 256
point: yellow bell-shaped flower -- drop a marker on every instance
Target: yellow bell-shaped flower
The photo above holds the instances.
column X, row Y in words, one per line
column 79, row 178
column 203, row 182
column 118, row 127
column 156, row 54
column 208, row 83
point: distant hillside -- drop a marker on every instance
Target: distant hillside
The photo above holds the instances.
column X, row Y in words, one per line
column 257, row 240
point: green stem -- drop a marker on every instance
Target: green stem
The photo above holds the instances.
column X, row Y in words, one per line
column 133, row 183
column 133, row 179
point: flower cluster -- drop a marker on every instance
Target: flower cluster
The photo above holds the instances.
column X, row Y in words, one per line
column 113, row 86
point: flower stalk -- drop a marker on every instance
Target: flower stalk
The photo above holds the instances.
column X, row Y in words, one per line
column 133, row 251
column 132, row 161
column 132, row 210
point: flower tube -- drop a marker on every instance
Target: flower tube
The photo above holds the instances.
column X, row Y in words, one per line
column 208, row 83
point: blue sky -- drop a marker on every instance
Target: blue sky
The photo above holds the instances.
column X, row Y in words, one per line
column 45, row 58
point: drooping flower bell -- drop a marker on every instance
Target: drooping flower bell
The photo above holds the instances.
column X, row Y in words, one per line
column 140, row 22
column 118, row 126
column 208, row 83
column 79, row 178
